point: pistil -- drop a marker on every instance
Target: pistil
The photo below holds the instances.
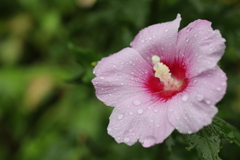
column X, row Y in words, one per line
column 163, row 73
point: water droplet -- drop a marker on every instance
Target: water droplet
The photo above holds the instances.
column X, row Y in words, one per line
column 137, row 102
column 126, row 139
column 218, row 88
column 189, row 29
column 223, row 83
column 208, row 102
column 101, row 77
column 120, row 116
column 149, row 141
column 140, row 111
column 185, row 97
column 200, row 97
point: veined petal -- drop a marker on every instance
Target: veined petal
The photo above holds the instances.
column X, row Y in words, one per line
column 159, row 39
column 140, row 118
column 200, row 46
column 194, row 108
column 120, row 76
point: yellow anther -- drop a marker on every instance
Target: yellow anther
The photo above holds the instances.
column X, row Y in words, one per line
column 163, row 73
column 161, row 70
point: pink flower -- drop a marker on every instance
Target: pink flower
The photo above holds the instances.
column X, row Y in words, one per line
column 168, row 80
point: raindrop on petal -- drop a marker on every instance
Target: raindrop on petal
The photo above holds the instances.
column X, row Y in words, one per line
column 200, row 97
column 140, row 111
column 208, row 102
column 149, row 141
column 185, row 97
column 137, row 102
column 120, row 116
column 126, row 139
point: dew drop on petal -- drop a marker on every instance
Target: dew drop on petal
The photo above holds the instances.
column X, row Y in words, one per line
column 208, row 102
column 140, row 111
column 149, row 141
column 200, row 97
column 185, row 97
column 126, row 139
column 137, row 102
column 120, row 116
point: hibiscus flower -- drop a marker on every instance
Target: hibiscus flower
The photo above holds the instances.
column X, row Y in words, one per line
column 167, row 80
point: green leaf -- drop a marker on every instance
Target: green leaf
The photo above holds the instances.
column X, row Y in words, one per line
column 226, row 130
column 207, row 141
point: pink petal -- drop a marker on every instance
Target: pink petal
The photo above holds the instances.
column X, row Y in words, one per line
column 120, row 76
column 200, row 46
column 140, row 118
column 194, row 108
column 159, row 39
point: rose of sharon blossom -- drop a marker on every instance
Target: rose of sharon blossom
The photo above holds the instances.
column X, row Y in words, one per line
column 167, row 80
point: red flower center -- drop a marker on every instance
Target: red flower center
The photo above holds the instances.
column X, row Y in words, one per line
column 157, row 88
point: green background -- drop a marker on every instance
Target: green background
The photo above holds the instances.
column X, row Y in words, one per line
column 48, row 48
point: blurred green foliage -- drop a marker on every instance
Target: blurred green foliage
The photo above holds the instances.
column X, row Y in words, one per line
column 48, row 108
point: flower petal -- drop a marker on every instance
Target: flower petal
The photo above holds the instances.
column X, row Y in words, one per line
column 195, row 107
column 159, row 39
column 139, row 118
column 200, row 46
column 120, row 76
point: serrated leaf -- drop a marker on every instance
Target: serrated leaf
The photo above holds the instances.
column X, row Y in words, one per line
column 207, row 141
column 226, row 130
